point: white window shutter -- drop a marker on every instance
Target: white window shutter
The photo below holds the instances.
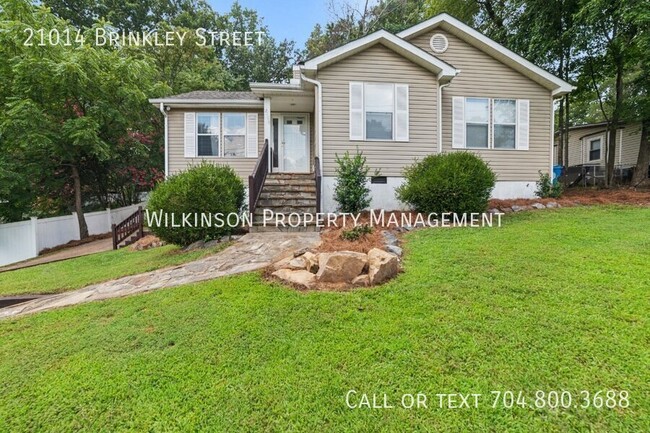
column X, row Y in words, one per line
column 458, row 130
column 356, row 111
column 251, row 135
column 190, row 135
column 523, row 115
column 401, row 112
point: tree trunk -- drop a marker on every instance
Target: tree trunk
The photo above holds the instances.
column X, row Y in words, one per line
column 616, row 117
column 83, row 227
column 643, row 160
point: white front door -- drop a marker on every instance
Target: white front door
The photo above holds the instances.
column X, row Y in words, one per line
column 294, row 143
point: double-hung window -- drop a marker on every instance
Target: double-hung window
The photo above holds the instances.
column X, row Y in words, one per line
column 379, row 108
column 505, row 123
column 477, row 122
column 594, row 149
column 234, row 135
column 485, row 123
column 220, row 135
column 379, row 111
column 207, row 134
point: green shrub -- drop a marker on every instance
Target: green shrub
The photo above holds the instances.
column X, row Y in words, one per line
column 546, row 188
column 351, row 191
column 356, row 232
column 204, row 189
column 458, row 182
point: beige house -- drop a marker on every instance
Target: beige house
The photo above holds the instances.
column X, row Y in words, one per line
column 439, row 86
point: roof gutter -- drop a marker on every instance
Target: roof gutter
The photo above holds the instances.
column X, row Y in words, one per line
column 224, row 102
column 164, row 113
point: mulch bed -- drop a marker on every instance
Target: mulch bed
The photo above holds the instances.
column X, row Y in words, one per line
column 586, row 197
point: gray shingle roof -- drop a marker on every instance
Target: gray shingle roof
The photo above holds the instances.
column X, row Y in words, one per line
column 215, row 94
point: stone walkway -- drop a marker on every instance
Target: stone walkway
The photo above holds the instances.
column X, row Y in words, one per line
column 253, row 251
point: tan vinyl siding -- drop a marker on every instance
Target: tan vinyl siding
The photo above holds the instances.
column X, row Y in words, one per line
column 483, row 76
column 177, row 161
column 382, row 65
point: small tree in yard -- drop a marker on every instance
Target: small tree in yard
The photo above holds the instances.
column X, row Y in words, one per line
column 352, row 192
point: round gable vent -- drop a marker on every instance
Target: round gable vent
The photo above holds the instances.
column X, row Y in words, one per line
column 439, row 43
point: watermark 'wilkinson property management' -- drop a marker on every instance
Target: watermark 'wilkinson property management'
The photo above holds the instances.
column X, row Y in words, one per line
column 379, row 218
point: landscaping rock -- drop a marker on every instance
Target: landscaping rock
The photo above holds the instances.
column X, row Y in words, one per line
column 516, row 208
column 389, row 238
column 211, row 244
column 538, row 206
column 551, row 204
column 195, row 246
column 282, row 264
column 235, row 237
column 408, row 228
column 494, row 210
column 394, row 250
column 341, row 266
column 297, row 263
column 300, row 252
column 301, row 278
column 311, row 262
column 506, row 210
column 147, row 242
column 382, row 266
column 361, row 281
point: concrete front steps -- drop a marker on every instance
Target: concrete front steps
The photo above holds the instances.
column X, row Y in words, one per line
column 286, row 193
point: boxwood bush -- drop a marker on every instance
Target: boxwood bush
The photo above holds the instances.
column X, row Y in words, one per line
column 203, row 189
column 458, row 182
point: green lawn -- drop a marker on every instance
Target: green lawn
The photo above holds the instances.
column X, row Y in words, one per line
column 554, row 300
column 79, row 272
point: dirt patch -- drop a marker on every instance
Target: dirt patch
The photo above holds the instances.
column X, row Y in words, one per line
column 75, row 243
column 586, row 197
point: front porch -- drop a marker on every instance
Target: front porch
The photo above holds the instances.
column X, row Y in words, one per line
column 286, row 177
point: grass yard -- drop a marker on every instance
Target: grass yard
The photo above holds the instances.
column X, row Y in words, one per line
column 75, row 273
column 554, row 300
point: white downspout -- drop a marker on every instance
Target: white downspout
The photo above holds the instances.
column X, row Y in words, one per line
column 319, row 107
column 440, row 87
column 162, row 110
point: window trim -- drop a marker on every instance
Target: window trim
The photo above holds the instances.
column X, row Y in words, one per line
column 197, row 134
column 487, row 123
column 399, row 132
column 493, row 123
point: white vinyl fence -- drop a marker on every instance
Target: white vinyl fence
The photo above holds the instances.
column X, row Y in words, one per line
column 25, row 239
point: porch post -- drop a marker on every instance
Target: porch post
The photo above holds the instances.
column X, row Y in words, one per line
column 267, row 129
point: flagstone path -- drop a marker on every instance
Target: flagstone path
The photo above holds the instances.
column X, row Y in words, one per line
column 252, row 252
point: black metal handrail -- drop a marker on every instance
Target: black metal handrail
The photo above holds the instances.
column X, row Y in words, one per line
column 134, row 223
column 318, row 177
column 256, row 180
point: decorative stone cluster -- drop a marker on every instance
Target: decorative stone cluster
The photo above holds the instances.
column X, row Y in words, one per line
column 308, row 270
column 517, row 208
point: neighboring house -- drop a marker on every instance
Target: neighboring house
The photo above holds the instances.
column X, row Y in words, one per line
column 588, row 144
column 439, row 86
